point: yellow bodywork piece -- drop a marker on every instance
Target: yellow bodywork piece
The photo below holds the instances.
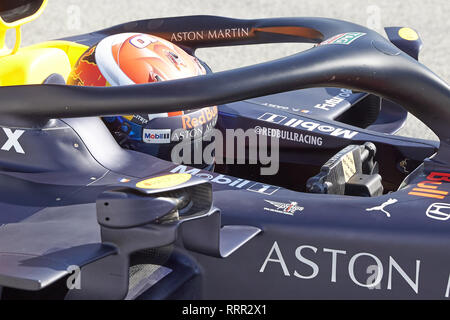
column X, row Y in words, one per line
column 33, row 64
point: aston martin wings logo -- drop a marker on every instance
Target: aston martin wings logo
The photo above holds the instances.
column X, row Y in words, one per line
column 284, row 208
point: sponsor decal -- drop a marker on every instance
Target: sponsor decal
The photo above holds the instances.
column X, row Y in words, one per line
column 197, row 132
column 289, row 136
column 219, row 179
column 180, row 134
column 336, row 100
column 162, row 182
column 224, row 180
column 284, row 208
column 382, row 206
column 272, row 105
column 439, row 211
column 206, row 115
column 343, row 38
column 214, row 34
column 138, row 119
column 387, row 268
column 263, row 189
column 408, row 34
column 141, row 41
column 308, row 125
column 279, row 107
column 13, row 140
column 176, row 59
column 272, row 118
column 156, row 135
column 430, row 187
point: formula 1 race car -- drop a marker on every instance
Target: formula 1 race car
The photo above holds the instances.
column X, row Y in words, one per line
column 91, row 207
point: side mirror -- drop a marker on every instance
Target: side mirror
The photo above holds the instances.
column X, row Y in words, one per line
column 14, row 14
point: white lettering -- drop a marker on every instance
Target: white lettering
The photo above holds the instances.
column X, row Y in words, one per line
column 413, row 285
column 13, row 140
column 334, row 254
column 346, row 133
column 315, row 267
column 351, row 270
column 280, row 260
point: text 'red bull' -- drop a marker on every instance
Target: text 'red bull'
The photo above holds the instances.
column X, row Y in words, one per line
column 206, row 115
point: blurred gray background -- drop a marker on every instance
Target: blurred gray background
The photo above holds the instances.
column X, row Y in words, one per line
column 429, row 17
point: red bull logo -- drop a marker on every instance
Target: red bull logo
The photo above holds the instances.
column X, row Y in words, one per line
column 204, row 116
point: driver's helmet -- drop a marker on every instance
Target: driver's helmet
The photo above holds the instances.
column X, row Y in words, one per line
column 136, row 58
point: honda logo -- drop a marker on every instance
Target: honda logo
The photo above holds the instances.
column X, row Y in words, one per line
column 439, row 211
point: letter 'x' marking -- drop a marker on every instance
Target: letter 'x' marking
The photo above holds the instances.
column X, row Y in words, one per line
column 13, row 140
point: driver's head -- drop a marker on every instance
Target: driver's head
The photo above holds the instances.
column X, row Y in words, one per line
column 132, row 58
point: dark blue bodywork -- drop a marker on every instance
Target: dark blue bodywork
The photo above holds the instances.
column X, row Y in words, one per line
column 70, row 194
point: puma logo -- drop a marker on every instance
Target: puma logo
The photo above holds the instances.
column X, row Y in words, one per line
column 381, row 207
